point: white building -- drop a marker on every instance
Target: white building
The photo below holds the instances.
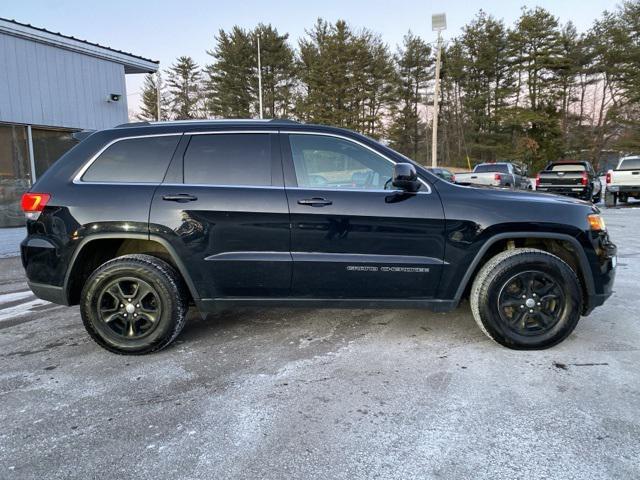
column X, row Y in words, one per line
column 52, row 85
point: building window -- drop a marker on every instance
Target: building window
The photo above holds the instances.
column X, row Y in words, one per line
column 15, row 174
column 49, row 146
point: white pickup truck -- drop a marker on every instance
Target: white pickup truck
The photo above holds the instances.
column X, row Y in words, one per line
column 500, row 174
column 623, row 182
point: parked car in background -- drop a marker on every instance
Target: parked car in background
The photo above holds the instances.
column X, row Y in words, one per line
column 624, row 181
column 442, row 173
column 499, row 174
column 572, row 178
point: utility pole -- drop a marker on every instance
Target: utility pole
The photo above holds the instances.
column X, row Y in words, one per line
column 158, row 116
column 259, row 79
column 438, row 23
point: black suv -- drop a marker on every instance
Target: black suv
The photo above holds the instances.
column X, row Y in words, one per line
column 138, row 222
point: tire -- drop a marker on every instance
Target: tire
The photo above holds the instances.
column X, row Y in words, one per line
column 110, row 300
column 610, row 199
column 597, row 198
column 623, row 198
column 504, row 272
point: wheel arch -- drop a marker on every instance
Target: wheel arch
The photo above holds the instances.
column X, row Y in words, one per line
column 579, row 262
column 85, row 258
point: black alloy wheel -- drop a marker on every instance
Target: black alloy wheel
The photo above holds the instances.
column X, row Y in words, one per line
column 531, row 303
column 130, row 307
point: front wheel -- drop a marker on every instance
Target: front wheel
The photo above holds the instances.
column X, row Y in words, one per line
column 134, row 304
column 526, row 299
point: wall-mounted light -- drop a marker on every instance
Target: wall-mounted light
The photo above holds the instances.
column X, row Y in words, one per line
column 114, row 97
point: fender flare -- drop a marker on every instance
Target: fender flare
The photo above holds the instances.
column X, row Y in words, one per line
column 585, row 267
column 131, row 236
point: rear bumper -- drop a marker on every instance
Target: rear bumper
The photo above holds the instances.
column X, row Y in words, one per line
column 50, row 293
column 624, row 188
column 578, row 192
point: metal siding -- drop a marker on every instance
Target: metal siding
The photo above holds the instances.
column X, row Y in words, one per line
column 45, row 85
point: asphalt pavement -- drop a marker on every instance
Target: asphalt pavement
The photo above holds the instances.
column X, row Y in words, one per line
column 323, row 394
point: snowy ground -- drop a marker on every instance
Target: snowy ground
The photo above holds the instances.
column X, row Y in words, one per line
column 10, row 239
column 326, row 394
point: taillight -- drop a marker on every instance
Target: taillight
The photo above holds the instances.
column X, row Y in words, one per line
column 497, row 177
column 33, row 203
column 609, row 177
column 585, row 178
column 537, row 180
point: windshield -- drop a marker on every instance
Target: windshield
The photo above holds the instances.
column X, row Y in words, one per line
column 491, row 167
column 630, row 164
column 568, row 167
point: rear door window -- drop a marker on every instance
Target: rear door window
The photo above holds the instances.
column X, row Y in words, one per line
column 133, row 160
column 568, row 167
column 491, row 168
column 630, row 164
column 229, row 159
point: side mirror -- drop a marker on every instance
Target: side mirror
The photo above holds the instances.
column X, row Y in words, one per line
column 405, row 177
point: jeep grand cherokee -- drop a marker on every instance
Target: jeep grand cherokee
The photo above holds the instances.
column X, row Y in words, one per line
column 138, row 222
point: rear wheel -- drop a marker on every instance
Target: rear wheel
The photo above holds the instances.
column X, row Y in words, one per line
column 134, row 304
column 526, row 299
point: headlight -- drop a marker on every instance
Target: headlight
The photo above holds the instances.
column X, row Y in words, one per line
column 596, row 222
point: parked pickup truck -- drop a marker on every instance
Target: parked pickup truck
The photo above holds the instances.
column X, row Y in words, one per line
column 624, row 181
column 574, row 179
column 502, row 174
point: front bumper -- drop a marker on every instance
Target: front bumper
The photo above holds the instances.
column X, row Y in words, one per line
column 604, row 272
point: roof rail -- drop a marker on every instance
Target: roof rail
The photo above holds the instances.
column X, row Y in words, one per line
column 284, row 120
column 132, row 124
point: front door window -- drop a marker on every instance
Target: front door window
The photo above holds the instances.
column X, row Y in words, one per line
column 334, row 163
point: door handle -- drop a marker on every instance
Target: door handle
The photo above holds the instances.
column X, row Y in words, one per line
column 180, row 197
column 315, row 202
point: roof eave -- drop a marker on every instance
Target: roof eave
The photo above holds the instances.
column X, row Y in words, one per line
column 131, row 63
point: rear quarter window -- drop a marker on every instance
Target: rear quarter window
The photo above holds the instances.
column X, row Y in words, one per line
column 133, row 160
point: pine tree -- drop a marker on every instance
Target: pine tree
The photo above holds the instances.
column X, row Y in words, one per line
column 231, row 81
column 149, row 107
column 538, row 58
column 407, row 132
column 184, row 88
column 278, row 71
column 488, row 84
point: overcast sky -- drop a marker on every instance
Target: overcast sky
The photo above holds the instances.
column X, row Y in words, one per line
column 163, row 30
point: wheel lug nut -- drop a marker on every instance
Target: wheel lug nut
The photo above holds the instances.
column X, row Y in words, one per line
column 121, row 306
column 135, row 314
column 534, row 294
column 530, row 311
column 125, row 314
column 138, row 305
column 521, row 306
column 538, row 303
column 524, row 296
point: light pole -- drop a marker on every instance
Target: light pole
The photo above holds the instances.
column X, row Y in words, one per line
column 259, row 79
column 438, row 23
column 158, row 93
